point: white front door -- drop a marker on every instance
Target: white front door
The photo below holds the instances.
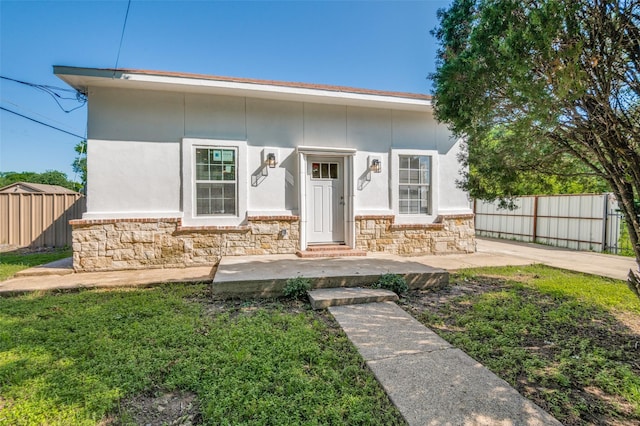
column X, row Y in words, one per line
column 325, row 200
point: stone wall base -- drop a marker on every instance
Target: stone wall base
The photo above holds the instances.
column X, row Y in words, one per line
column 114, row 244
column 450, row 234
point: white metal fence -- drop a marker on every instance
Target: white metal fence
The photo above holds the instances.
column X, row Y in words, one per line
column 581, row 222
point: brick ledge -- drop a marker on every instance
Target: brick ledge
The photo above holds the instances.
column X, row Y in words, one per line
column 283, row 218
column 87, row 222
column 408, row 226
column 211, row 229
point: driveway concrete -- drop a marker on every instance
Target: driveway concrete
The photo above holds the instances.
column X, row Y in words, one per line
column 494, row 252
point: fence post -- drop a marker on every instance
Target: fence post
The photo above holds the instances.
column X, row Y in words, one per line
column 535, row 218
column 605, row 223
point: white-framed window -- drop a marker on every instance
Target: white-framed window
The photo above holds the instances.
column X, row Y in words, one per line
column 216, row 180
column 414, row 175
column 414, row 184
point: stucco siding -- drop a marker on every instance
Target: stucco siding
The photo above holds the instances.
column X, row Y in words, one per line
column 127, row 177
column 135, row 115
column 136, row 137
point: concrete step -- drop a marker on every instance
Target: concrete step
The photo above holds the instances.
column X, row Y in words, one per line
column 342, row 252
column 325, row 297
column 326, row 247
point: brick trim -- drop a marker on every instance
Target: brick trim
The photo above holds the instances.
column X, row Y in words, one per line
column 211, row 229
column 376, row 217
column 408, row 226
column 442, row 217
column 284, row 218
column 88, row 222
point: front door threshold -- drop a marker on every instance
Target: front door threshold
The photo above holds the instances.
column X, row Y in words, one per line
column 329, row 250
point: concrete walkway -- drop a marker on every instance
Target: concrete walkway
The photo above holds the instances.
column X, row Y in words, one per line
column 431, row 382
column 490, row 252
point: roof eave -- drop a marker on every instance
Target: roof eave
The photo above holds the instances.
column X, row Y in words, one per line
column 83, row 78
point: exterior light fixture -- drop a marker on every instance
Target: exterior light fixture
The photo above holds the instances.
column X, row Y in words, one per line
column 376, row 166
column 271, row 160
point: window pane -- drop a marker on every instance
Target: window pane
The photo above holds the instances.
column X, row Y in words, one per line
column 414, row 162
column 202, row 172
column 404, row 207
column 228, row 172
column 324, row 170
column 315, row 170
column 404, row 162
column 216, row 198
column 414, row 176
column 202, row 156
column 333, row 171
column 404, row 176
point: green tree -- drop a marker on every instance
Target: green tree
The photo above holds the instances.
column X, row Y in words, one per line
column 544, row 87
column 80, row 162
column 50, row 177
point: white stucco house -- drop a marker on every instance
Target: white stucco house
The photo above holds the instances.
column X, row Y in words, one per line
column 185, row 168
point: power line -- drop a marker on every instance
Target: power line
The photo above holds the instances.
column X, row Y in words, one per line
column 40, row 122
column 124, row 25
column 52, row 91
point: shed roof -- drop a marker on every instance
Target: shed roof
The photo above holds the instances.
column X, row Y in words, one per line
column 83, row 78
column 28, row 187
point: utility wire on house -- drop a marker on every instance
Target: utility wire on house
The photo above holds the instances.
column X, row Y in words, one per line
column 54, row 92
column 40, row 122
column 124, row 25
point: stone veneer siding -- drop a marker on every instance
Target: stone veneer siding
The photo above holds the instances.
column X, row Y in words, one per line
column 113, row 244
column 449, row 234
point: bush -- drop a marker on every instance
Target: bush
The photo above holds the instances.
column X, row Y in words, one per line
column 392, row 282
column 297, row 287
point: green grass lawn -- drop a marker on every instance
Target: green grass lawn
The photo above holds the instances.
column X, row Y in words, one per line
column 569, row 342
column 77, row 358
column 12, row 262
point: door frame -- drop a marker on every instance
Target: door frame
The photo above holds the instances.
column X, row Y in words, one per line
column 347, row 155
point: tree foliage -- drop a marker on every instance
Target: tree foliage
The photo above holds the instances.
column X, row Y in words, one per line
column 80, row 162
column 50, row 177
column 542, row 87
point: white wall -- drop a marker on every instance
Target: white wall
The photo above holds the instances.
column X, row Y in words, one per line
column 131, row 178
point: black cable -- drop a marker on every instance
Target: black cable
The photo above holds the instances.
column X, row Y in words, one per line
column 40, row 122
column 124, row 25
column 50, row 90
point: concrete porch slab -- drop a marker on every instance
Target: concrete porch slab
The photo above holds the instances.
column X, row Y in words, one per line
column 323, row 298
column 266, row 276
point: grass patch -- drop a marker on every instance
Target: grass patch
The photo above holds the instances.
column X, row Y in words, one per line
column 554, row 335
column 15, row 261
column 74, row 358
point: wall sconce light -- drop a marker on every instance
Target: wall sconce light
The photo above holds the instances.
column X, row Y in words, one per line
column 271, row 160
column 376, row 166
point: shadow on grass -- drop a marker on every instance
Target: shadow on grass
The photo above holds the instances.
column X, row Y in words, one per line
column 576, row 360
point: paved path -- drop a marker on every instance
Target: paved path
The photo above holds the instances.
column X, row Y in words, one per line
column 431, row 382
column 490, row 253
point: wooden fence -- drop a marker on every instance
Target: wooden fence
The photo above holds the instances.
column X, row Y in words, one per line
column 581, row 221
column 39, row 220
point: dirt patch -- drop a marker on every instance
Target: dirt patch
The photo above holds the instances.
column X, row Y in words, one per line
column 171, row 409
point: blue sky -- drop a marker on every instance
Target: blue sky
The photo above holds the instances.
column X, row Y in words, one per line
column 382, row 45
